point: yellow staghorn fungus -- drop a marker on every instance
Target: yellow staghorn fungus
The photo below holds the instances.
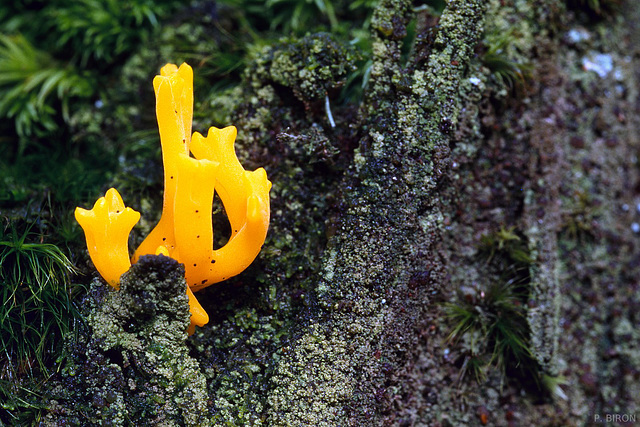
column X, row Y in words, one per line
column 106, row 228
column 185, row 230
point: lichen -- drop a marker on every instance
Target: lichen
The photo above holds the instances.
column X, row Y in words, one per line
column 380, row 254
column 131, row 365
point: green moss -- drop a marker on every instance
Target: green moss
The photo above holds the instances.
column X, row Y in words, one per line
column 132, row 366
column 308, row 70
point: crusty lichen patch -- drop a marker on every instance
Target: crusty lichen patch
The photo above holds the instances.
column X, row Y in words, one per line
column 382, row 262
column 132, row 366
column 325, row 375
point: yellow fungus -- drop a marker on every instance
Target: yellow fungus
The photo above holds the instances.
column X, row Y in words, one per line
column 185, row 230
column 107, row 227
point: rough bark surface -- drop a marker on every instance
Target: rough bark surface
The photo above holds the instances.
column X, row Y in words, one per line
column 382, row 263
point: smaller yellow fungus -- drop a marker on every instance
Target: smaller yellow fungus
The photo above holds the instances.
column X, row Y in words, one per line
column 185, row 230
column 199, row 317
column 107, row 227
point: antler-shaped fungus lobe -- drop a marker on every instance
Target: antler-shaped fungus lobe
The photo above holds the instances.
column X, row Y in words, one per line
column 245, row 196
column 185, row 230
column 174, row 111
column 107, row 227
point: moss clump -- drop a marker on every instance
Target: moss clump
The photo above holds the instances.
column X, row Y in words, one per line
column 286, row 84
column 312, row 67
column 132, row 366
column 489, row 316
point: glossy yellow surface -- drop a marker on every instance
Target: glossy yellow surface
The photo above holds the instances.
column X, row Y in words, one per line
column 174, row 111
column 106, row 228
column 185, row 230
column 245, row 196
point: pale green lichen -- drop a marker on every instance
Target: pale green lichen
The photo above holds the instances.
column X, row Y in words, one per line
column 133, row 366
column 335, row 374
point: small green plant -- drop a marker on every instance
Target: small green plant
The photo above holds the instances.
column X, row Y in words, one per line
column 491, row 327
column 32, row 87
column 506, row 243
column 489, row 321
column 37, row 301
column 506, row 70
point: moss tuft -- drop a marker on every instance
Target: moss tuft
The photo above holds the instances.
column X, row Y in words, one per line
column 131, row 366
